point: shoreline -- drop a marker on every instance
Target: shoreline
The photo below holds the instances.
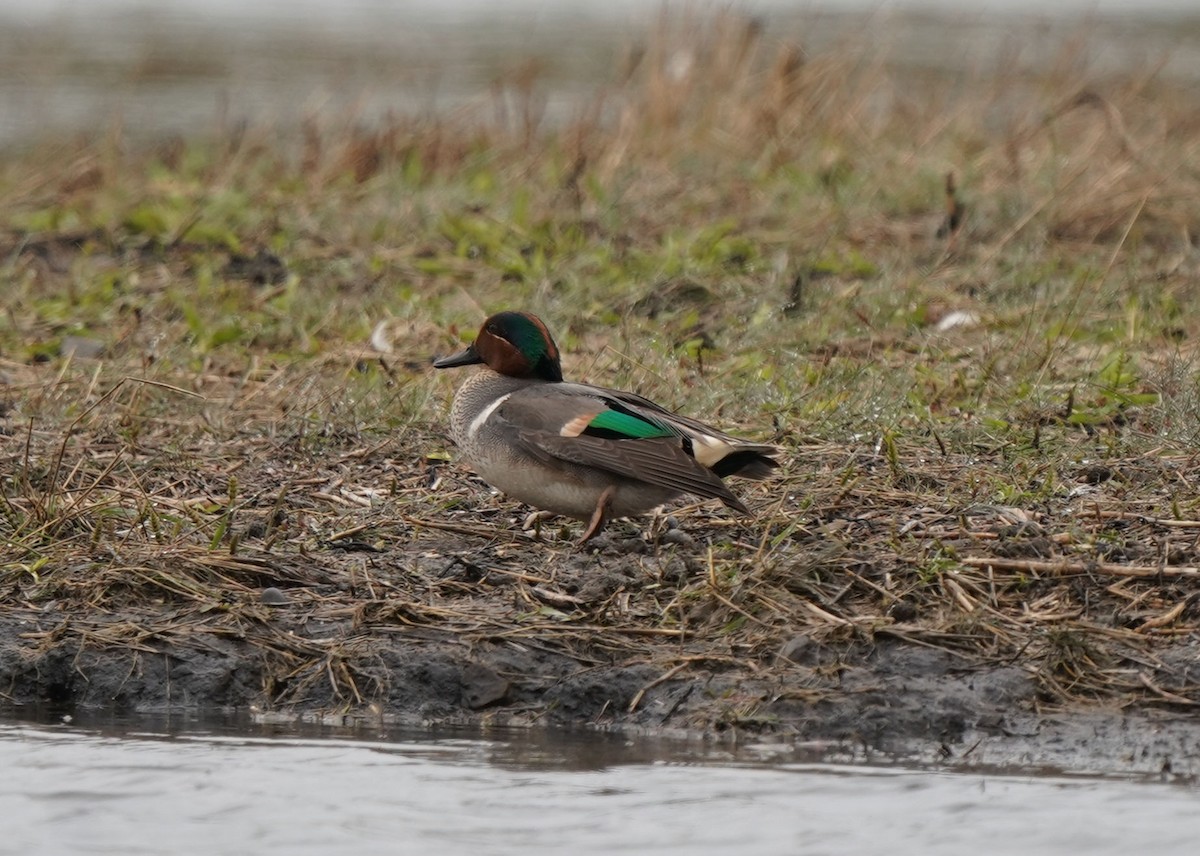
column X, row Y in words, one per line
column 888, row 699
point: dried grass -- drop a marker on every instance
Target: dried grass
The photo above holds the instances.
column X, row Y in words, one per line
column 989, row 492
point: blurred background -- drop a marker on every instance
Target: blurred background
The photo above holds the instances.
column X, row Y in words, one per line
column 189, row 66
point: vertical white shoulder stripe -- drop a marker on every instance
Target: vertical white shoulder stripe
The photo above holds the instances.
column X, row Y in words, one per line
column 483, row 415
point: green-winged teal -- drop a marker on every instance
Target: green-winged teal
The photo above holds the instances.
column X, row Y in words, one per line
column 578, row 450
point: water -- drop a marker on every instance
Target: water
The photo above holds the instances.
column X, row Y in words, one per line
column 149, row 789
column 334, row 10
column 155, row 68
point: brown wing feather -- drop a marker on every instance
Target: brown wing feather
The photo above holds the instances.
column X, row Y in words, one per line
column 748, row 460
column 537, row 414
column 660, row 461
column 646, row 404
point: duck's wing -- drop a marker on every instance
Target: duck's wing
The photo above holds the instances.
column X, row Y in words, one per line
column 575, row 423
column 723, row 453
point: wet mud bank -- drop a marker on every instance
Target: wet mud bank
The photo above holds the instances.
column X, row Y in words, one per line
column 292, row 655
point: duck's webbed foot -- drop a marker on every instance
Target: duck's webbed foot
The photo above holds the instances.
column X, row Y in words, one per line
column 599, row 516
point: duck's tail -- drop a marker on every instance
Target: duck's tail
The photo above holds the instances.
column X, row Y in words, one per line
column 727, row 456
column 747, row 462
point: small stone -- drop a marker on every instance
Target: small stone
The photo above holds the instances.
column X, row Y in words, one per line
column 1096, row 474
column 272, row 596
column 678, row 536
column 481, row 686
column 798, row 649
column 81, row 347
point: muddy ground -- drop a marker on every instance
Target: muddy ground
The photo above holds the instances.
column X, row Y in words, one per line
column 357, row 633
column 873, row 603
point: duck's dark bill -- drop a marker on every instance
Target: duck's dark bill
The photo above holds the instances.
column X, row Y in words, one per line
column 466, row 357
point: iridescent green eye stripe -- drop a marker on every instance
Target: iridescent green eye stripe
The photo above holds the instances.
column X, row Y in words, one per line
column 530, row 341
column 629, row 425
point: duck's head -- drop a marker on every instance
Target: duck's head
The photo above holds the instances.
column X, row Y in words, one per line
column 516, row 344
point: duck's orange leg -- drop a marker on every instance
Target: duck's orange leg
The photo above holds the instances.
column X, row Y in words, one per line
column 599, row 516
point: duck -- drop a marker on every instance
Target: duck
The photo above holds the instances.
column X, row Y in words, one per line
column 578, row 450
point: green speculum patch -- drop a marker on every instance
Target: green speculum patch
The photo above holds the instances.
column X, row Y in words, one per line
column 615, row 423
